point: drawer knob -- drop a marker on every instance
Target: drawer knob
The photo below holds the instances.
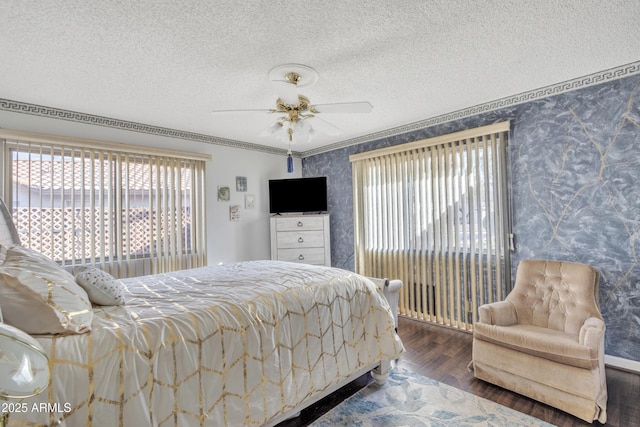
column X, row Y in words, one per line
column 300, row 240
column 301, row 257
column 300, row 224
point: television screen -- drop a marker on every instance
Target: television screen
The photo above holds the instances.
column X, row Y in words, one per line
column 298, row 195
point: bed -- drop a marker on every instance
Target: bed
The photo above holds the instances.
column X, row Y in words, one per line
column 247, row 343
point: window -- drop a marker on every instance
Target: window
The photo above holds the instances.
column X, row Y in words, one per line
column 83, row 202
column 434, row 214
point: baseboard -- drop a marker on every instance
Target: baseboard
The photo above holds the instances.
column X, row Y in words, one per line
column 620, row 363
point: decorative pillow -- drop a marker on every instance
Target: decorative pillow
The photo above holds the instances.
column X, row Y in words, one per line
column 39, row 297
column 102, row 288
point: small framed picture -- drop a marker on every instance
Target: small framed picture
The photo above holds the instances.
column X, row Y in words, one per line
column 249, row 201
column 224, row 193
column 241, row 183
column 234, row 213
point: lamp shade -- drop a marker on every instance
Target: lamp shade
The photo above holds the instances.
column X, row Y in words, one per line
column 24, row 366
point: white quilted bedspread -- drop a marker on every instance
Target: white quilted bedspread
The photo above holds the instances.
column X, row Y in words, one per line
column 232, row 345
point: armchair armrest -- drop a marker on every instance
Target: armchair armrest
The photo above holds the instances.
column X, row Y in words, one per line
column 501, row 313
column 592, row 332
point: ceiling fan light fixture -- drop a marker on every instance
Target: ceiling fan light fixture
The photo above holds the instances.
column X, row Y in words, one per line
column 301, row 126
column 275, row 127
column 294, row 132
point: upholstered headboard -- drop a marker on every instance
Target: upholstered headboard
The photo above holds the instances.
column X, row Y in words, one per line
column 8, row 232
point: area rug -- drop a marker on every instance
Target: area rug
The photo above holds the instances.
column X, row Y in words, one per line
column 409, row 399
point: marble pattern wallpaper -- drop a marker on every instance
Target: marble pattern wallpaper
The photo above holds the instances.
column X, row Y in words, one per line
column 574, row 184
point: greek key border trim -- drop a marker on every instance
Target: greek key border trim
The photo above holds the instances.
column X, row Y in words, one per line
column 74, row 116
column 544, row 92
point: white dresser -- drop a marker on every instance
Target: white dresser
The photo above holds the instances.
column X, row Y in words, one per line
column 301, row 238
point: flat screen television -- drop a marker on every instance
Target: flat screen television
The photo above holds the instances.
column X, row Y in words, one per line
column 298, row 195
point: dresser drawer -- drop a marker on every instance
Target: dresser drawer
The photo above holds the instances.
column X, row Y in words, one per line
column 307, row 256
column 300, row 239
column 300, row 223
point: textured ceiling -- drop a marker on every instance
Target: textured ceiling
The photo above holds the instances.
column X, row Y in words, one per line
column 170, row 63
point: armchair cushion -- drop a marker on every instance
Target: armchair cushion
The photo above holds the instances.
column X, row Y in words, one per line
column 547, row 343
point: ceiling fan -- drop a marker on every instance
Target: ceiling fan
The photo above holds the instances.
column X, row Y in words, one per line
column 297, row 115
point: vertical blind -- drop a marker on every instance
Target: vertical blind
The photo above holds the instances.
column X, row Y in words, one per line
column 434, row 214
column 108, row 205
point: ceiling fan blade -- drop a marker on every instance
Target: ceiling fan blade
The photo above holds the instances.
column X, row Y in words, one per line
column 262, row 110
column 345, row 107
column 324, row 126
column 287, row 91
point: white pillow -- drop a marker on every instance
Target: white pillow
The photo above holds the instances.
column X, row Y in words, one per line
column 102, row 288
column 39, row 297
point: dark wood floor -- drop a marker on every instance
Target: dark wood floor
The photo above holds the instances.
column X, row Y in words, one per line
column 443, row 354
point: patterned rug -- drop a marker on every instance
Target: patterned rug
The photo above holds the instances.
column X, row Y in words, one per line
column 409, row 399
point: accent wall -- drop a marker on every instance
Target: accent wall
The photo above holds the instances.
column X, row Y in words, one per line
column 574, row 184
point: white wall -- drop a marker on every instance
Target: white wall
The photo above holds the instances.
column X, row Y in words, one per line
column 247, row 239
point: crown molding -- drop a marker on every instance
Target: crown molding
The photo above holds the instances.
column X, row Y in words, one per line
column 544, row 92
column 90, row 119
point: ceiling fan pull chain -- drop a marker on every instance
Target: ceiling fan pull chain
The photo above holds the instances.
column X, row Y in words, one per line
column 289, row 160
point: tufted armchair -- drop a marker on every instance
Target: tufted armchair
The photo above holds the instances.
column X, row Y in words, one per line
column 546, row 339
